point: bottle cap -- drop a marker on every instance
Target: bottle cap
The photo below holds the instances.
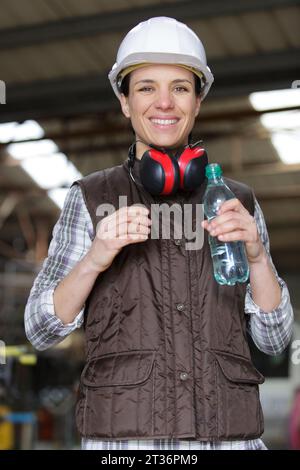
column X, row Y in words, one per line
column 213, row 170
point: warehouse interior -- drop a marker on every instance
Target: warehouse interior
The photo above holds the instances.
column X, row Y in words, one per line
column 60, row 120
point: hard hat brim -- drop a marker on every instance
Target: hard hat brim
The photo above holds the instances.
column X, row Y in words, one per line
column 140, row 59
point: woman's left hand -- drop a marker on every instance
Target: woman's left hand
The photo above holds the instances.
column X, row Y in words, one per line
column 234, row 223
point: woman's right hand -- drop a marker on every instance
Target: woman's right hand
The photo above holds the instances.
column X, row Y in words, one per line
column 125, row 226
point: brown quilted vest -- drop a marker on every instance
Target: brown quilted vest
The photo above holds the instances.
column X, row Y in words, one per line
column 166, row 346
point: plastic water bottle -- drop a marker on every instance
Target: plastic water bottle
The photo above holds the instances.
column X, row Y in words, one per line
column 229, row 258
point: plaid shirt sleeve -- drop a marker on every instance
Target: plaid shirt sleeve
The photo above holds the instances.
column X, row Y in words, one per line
column 71, row 239
column 270, row 331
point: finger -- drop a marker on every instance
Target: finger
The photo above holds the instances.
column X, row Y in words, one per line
column 126, row 239
column 132, row 216
column 220, row 219
column 114, row 227
column 138, row 223
column 245, row 218
column 136, row 227
column 111, row 229
column 138, row 210
column 238, row 235
column 133, row 237
column 125, row 231
column 119, row 218
column 136, row 239
column 232, row 204
column 124, row 236
column 142, row 220
column 119, row 215
column 229, row 226
column 227, row 216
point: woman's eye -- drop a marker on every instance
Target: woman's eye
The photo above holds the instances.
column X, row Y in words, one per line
column 146, row 88
column 181, row 89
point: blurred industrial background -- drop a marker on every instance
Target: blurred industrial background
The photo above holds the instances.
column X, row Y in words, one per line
column 61, row 120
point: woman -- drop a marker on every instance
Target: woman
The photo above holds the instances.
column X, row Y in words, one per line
column 168, row 364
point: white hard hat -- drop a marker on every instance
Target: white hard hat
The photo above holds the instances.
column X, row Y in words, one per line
column 161, row 40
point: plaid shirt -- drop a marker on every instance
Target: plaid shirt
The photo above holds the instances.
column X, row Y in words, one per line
column 72, row 238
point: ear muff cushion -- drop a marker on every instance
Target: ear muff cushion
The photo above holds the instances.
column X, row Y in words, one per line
column 192, row 163
column 159, row 173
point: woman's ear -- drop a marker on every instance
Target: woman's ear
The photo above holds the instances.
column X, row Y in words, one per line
column 124, row 105
column 198, row 106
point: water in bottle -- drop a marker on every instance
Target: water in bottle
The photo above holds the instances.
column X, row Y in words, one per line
column 229, row 258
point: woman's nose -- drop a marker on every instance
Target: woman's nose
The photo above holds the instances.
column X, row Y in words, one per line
column 164, row 100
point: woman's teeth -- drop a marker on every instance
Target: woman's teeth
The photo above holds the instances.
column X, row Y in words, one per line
column 164, row 122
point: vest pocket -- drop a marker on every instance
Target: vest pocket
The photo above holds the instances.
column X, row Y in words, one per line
column 239, row 413
column 118, row 395
column 122, row 368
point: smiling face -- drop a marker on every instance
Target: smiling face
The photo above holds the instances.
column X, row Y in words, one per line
column 162, row 105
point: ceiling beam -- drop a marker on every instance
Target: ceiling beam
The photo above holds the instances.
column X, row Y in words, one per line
column 88, row 25
column 73, row 96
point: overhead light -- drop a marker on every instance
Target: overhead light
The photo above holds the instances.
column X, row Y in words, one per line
column 51, row 169
column 58, row 196
column 275, row 99
column 283, row 126
column 287, row 146
column 29, row 150
column 7, row 131
column 14, row 131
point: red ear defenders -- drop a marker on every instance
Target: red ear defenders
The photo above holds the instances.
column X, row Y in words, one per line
column 162, row 173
